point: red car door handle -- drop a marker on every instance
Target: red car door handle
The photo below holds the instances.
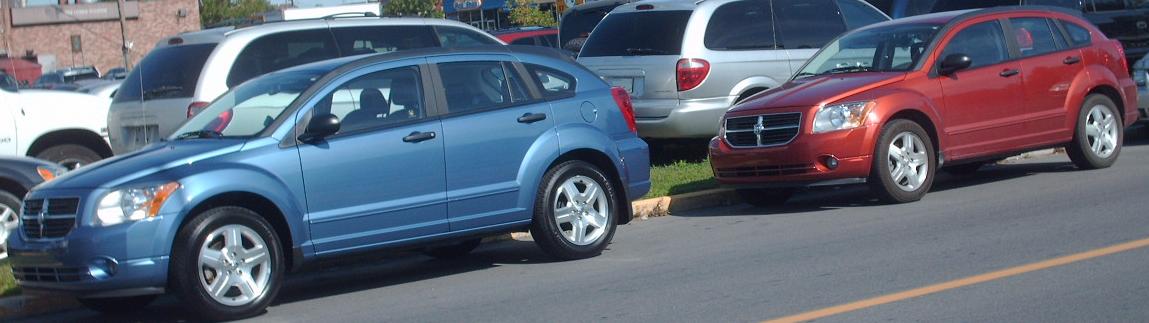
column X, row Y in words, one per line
column 1009, row 72
column 1071, row 60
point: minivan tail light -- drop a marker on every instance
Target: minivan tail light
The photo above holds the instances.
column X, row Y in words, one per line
column 622, row 99
column 691, row 72
column 195, row 107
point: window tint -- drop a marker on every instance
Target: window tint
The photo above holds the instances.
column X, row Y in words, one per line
column 459, row 37
column 807, row 23
column 553, row 83
column 741, row 25
column 1058, row 37
column 579, row 23
column 1077, row 35
column 1034, row 37
column 278, row 51
column 983, row 43
column 471, row 86
column 858, row 14
column 551, row 40
column 382, row 39
column 376, row 99
column 166, row 72
column 524, row 41
column 1106, row 5
column 629, row 34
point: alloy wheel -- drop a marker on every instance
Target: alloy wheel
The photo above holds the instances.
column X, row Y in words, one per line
column 581, row 210
column 1101, row 131
column 907, row 161
column 235, row 266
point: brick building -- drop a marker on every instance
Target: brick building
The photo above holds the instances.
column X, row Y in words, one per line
column 67, row 34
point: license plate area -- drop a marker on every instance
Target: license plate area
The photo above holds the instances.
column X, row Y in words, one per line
column 141, row 135
column 625, row 83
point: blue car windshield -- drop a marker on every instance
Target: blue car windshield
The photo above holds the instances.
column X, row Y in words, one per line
column 896, row 48
column 249, row 108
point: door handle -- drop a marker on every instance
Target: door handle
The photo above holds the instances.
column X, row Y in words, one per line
column 419, row 136
column 532, row 117
column 1009, row 72
column 1071, row 60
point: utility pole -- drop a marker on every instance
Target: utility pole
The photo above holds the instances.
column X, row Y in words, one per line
column 123, row 35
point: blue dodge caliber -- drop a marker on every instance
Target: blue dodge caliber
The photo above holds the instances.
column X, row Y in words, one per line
column 424, row 149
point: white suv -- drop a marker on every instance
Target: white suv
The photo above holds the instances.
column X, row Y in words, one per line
column 62, row 127
column 187, row 71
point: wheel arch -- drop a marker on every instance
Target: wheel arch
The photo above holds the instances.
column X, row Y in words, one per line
column 922, row 119
column 13, row 187
column 743, row 88
column 260, row 205
column 1113, row 95
column 613, row 174
column 82, row 137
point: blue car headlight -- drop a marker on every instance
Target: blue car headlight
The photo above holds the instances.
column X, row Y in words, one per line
column 133, row 204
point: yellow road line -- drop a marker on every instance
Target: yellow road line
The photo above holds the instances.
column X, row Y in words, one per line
column 962, row 282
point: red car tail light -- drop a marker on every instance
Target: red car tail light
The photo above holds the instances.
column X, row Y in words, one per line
column 691, row 72
column 622, row 99
column 195, row 107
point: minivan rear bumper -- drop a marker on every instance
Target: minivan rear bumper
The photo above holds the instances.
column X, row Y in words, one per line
column 692, row 118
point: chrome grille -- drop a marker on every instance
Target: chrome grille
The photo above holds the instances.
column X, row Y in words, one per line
column 762, row 131
column 48, row 218
column 49, row 274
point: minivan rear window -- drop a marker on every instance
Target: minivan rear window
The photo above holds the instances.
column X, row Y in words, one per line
column 638, row 34
column 167, row 72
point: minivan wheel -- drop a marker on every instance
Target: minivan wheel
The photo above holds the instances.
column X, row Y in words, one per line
column 575, row 211
column 903, row 167
column 71, row 156
column 764, row 197
column 117, row 305
column 1098, row 135
column 227, row 263
column 454, row 250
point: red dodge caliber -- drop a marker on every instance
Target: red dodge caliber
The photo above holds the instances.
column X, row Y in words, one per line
column 889, row 104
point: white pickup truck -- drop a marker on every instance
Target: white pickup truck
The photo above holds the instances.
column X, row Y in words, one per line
column 63, row 127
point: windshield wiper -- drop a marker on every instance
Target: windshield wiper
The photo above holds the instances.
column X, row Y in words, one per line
column 645, row 51
column 162, row 91
column 801, row 74
column 200, row 134
column 847, row 69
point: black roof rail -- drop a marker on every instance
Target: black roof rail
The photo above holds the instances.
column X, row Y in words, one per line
column 349, row 15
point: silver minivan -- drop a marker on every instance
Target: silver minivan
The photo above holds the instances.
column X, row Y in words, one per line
column 686, row 62
column 187, row 71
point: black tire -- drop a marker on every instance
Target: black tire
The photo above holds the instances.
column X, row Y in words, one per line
column 71, row 156
column 963, row 169
column 117, row 305
column 185, row 272
column 1079, row 149
column 455, row 250
column 549, row 234
column 881, row 181
column 765, row 197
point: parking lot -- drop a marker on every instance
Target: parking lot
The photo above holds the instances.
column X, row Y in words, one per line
column 824, row 249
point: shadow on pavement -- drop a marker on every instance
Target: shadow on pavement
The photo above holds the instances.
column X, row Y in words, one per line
column 338, row 279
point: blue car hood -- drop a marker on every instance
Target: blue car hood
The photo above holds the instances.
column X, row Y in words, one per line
column 116, row 171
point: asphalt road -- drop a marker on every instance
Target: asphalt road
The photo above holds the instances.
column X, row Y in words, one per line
column 823, row 249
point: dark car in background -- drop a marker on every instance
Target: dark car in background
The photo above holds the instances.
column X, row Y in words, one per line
column 17, row 176
column 66, row 78
column 536, row 36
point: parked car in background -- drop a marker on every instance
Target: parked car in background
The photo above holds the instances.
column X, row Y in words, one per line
column 1123, row 20
column 63, row 127
column 536, row 36
column 102, row 88
column 8, row 82
column 1141, row 78
column 115, row 73
column 889, row 104
column 346, row 156
column 187, row 71
column 578, row 21
column 710, row 54
column 65, row 79
column 17, row 176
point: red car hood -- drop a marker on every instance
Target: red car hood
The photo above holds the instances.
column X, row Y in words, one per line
column 816, row 90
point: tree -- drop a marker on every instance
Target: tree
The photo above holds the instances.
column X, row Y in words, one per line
column 413, row 8
column 214, row 12
column 527, row 13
